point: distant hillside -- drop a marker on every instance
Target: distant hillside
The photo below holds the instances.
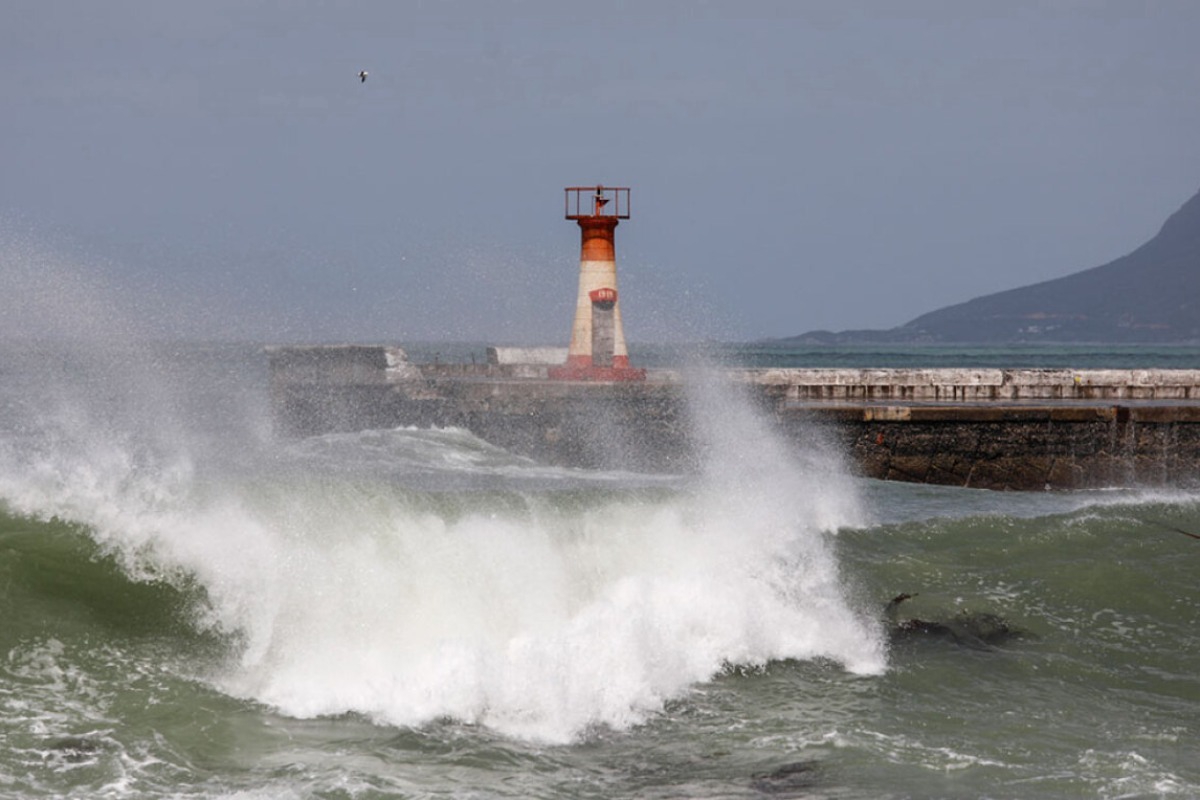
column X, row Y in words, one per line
column 1151, row 295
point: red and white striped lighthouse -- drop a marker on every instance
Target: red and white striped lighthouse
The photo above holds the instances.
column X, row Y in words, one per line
column 597, row 351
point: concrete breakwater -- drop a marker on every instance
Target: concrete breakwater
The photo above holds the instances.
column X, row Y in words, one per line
column 986, row 428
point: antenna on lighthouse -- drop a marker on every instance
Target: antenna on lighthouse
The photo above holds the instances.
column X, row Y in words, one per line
column 597, row 351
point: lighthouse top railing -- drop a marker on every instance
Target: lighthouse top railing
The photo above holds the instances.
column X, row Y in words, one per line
column 586, row 202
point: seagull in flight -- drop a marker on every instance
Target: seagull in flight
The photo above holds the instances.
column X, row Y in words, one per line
column 362, row 76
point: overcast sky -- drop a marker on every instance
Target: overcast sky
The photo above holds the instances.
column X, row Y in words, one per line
column 218, row 167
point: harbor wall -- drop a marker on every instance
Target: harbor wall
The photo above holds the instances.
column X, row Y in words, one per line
column 986, row 428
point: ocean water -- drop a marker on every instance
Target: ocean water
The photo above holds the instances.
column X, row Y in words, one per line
column 777, row 353
column 191, row 607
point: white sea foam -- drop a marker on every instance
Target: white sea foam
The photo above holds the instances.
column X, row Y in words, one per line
column 541, row 625
column 534, row 618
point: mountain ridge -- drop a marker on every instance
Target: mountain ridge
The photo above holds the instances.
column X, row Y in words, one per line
column 1150, row 295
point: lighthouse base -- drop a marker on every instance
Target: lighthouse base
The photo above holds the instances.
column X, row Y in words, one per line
column 609, row 374
column 585, row 368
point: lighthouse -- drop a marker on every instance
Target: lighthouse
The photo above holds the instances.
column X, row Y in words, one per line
column 597, row 351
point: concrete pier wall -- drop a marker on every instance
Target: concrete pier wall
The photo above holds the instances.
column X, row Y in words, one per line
column 1004, row 446
column 1000, row 429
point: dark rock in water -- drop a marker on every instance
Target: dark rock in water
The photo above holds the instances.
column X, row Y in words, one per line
column 788, row 779
column 968, row 628
column 75, row 749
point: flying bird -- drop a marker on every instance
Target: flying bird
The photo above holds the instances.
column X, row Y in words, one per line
column 362, row 76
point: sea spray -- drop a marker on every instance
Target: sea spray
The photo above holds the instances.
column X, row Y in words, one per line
column 784, row 498
column 412, row 576
column 360, row 573
column 545, row 619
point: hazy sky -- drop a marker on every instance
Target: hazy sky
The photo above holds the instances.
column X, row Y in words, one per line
column 218, row 168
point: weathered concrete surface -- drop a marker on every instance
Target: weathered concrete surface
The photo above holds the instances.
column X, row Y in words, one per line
column 542, row 356
column 999, row 429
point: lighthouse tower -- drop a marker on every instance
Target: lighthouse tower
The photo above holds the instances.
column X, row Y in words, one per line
column 597, row 351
